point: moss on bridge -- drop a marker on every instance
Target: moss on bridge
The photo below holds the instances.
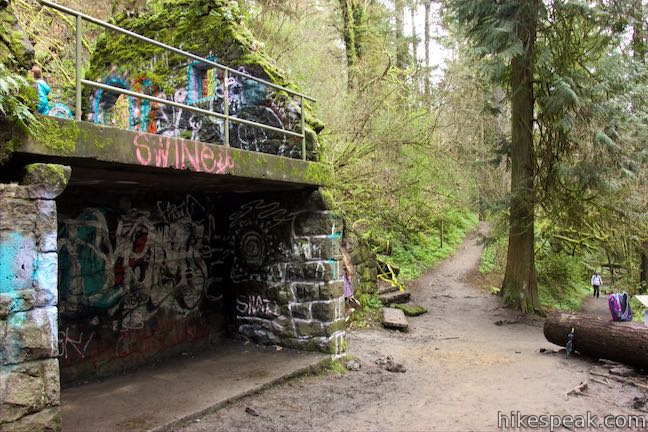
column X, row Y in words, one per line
column 74, row 141
column 201, row 27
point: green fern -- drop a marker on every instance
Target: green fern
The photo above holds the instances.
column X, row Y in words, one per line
column 17, row 98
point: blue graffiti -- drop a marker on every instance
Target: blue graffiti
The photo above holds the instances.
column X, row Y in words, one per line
column 11, row 248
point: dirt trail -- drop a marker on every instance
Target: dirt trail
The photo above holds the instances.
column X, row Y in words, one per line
column 462, row 369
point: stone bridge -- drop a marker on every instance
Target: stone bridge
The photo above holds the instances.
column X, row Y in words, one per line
column 118, row 248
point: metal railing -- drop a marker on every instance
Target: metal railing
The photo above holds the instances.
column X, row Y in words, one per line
column 226, row 71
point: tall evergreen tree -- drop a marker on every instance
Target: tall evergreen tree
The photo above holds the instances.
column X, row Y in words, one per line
column 508, row 29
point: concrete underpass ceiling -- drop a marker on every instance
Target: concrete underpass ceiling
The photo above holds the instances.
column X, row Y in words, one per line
column 112, row 179
column 128, row 178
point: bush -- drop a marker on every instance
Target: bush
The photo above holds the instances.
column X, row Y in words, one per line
column 562, row 281
column 417, row 252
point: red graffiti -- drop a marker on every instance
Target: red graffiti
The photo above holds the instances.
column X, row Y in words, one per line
column 171, row 152
column 132, row 347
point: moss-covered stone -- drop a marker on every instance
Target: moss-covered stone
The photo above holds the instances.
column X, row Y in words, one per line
column 410, row 309
column 201, row 27
column 16, row 51
column 60, row 137
column 50, row 179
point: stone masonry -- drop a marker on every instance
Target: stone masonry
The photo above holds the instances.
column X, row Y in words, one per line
column 287, row 273
column 29, row 379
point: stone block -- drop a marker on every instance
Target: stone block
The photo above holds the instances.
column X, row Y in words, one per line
column 309, row 328
column 307, row 291
column 45, row 279
column 253, row 324
column 18, row 215
column 323, row 223
column 326, row 310
column 301, row 310
column 334, row 344
column 18, row 301
column 17, row 261
column 258, row 335
column 46, row 180
column 27, row 388
column 283, row 327
column 52, row 377
column 308, row 344
column 46, row 225
column 13, row 191
column 313, row 271
column 334, row 327
column 30, row 335
column 286, row 295
column 394, row 318
column 331, row 290
column 47, row 420
column 318, row 200
column 327, row 247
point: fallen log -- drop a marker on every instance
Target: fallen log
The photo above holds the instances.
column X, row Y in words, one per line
column 625, row 342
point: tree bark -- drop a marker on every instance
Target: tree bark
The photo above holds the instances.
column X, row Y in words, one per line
column 643, row 252
column 625, row 342
column 348, row 35
column 520, row 288
column 358, row 27
column 414, row 38
column 638, row 33
column 401, row 44
column 427, row 47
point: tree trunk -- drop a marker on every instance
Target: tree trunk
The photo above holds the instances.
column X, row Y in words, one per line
column 625, row 342
column 427, row 47
column 644, row 265
column 520, row 286
column 638, row 34
column 348, row 34
column 359, row 27
column 401, row 44
column 414, row 38
column 639, row 53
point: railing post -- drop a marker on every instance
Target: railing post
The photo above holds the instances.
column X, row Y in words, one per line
column 303, row 128
column 226, row 106
column 78, row 67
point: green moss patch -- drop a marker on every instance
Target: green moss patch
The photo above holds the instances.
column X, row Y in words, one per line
column 410, row 309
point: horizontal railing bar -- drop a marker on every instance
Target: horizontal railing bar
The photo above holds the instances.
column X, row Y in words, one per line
column 169, row 47
column 188, row 107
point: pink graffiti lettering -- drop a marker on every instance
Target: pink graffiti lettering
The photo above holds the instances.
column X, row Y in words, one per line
column 162, row 151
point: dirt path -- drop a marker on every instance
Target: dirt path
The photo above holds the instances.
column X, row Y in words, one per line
column 462, row 369
column 597, row 306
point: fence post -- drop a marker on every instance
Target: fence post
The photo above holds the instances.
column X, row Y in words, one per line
column 78, row 68
column 303, row 128
column 226, row 105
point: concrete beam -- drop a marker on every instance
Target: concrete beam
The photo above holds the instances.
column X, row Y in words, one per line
column 83, row 141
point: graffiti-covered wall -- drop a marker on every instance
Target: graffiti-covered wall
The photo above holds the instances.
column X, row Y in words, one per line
column 247, row 99
column 137, row 280
column 145, row 276
column 286, row 272
column 217, row 31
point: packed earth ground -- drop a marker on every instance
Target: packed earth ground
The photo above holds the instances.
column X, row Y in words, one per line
column 465, row 361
